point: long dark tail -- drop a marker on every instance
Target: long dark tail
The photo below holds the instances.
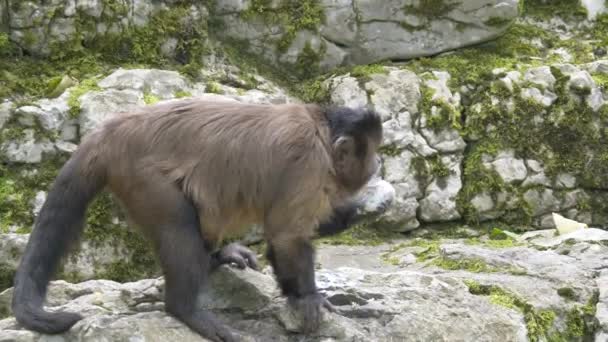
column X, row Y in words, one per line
column 59, row 224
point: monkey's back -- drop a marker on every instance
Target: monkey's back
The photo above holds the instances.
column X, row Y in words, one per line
column 231, row 158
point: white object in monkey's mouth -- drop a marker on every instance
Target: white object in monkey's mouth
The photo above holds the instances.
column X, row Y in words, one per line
column 376, row 196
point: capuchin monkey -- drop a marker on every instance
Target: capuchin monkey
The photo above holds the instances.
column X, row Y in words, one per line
column 192, row 172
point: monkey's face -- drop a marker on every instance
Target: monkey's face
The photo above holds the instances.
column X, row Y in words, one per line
column 356, row 160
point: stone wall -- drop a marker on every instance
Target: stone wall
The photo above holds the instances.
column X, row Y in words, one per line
column 516, row 147
column 307, row 36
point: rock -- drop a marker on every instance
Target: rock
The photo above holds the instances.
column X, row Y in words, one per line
column 509, row 168
column 160, row 83
column 602, row 307
column 345, row 91
column 594, row 8
column 38, row 202
column 541, row 201
column 541, row 76
column 546, row 98
column 50, row 113
column 581, row 81
column 565, row 181
column 88, row 262
column 439, row 204
column 399, row 172
column 6, row 111
column 96, row 107
column 536, row 174
column 133, row 311
column 27, row 149
column 484, row 205
column 401, row 216
column 394, row 93
column 581, row 235
column 360, row 34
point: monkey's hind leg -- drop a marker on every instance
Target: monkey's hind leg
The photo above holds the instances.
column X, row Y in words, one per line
column 293, row 263
column 171, row 222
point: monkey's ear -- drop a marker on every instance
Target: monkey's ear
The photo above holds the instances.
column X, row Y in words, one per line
column 344, row 150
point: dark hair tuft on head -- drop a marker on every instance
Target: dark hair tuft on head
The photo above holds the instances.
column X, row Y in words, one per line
column 353, row 121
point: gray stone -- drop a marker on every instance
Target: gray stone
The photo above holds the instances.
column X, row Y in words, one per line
column 484, row 205
column 50, row 113
column 541, row 76
column 345, row 91
column 509, row 168
column 27, row 149
column 579, row 235
column 581, row 81
column 602, row 307
column 439, row 204
column 399, row 172
column 38, row 202
column 364, row 32
column 96, row 107
column 536, row 174
column 545, row 98
column 565, row 181
column 394, row 93
column 6, row 112
column 542, row 201
column 160, row 83
column 401, row 216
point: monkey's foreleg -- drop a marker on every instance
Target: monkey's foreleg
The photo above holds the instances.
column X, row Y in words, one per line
column 234, row 253
column 342, row 218
column 293, row 264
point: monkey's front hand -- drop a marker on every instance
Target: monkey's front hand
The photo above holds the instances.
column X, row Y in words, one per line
column 237, row 254
column 310, row 308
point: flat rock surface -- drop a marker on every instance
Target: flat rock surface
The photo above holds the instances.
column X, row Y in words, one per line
column 407, row 290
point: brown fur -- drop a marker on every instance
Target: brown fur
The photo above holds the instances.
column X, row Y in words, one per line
column 226, row 158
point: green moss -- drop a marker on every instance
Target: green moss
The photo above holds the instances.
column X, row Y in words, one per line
column 539, row 323
column 7, row 273
column 150, row 98
column 498, row 234
column 308, row 61
column 84, row 56
column 390, row 150
column 430, row 8
column 439, row 113
column 566, row 292
column 18, row 187
column 181, row 94
column 76, row 92
column 541, row 9
column 361, row 234
column 468, row 264
column 312, row 91
column 214, row 87
column 99, row 229
column 504, row 243
column 437, row 167
column 431, row 249
column 292, row 16
column 368, row 70
column 497, row 22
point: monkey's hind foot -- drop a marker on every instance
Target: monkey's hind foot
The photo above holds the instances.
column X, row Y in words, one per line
column 310, row 307
column 208, row 326
column 237, row 254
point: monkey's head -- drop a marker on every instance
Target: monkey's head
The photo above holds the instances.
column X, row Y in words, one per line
column 356, row 134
